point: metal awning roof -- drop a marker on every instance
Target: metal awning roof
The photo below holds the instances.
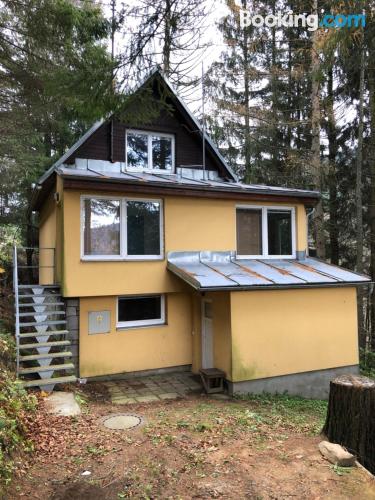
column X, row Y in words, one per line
column 223, row 271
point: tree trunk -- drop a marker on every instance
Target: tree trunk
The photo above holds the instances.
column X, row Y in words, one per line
column 332, row 153
column 371, row 83
column 350, row 418
column 359, row 200
column 247, row 145
column 167, row 38
column 358, row 187
column 318, row 217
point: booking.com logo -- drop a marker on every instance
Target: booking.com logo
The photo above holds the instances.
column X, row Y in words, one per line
column 309, row 21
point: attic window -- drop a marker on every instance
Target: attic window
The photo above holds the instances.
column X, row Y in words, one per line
column 150, row 151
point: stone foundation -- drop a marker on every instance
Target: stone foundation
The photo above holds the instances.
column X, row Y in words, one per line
column 314, row 384
column 72, row 318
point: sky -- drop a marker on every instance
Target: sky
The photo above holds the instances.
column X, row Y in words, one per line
column 212, row 38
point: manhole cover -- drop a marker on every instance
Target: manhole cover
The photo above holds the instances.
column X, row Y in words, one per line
column 122, row 421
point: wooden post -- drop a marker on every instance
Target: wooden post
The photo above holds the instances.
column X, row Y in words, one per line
column 351, row 417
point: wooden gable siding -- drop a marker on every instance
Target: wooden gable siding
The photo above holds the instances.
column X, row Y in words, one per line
column 188, row 143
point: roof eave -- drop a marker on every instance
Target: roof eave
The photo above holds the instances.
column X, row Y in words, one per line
column 309, row 198
column 279, row 287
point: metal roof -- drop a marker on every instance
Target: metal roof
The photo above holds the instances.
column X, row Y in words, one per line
column 176, row 180
column 223, row 271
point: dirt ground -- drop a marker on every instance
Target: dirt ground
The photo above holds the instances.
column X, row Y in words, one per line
column 199, row 447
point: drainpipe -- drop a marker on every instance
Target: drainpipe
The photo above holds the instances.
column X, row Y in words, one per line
column 308, row 216
column 111, row 145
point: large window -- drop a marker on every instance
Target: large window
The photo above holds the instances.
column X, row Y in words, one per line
column 121, row 228
column 149, row 151
column 138, row 310
column 265, row 232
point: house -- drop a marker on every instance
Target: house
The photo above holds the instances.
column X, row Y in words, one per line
column 166, row 262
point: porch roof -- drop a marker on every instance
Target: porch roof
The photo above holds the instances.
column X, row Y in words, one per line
column 211, row 271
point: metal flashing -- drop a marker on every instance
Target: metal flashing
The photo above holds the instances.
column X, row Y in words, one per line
column 175, row 180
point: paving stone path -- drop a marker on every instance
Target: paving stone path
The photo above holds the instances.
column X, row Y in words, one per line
column 153, row 388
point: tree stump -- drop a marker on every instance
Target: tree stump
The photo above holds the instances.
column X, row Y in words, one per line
column 351, row 417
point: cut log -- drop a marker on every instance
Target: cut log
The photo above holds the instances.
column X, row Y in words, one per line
column 351, row 417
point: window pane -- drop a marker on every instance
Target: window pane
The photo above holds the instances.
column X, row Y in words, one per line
column 249, row 231
column 101, row 227
column 162, row 153
column 279, row 232
column 143, row 227
column 136, row 150
column 139, row 308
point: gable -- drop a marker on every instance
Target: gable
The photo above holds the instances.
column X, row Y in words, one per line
column 106, row 142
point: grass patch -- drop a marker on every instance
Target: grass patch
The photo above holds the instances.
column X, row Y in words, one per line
column 304, row 414
column 257, row 417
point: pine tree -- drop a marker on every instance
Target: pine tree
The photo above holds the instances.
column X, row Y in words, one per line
column 55, row 81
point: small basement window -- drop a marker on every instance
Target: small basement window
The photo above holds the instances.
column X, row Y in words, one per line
column 136, row 310
column 149, row 151
column 265, row 232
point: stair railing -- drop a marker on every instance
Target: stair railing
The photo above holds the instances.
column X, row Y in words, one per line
column 18, row 272
column 16, row 305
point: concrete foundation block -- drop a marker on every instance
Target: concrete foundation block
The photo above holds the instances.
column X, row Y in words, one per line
column 313, row 384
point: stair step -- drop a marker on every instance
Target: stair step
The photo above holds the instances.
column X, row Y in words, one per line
column 34, row 357
column 37, row 369
column 55, row 343
column 36, row 334
column 39, row 286
column 49, row 381
column 44, row 323
column 32, row 295
column 32, row 304
column 44, row 313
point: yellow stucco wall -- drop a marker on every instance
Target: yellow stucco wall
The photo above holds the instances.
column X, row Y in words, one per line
column 51, row 237
column 59, row 232
column 190, row 224
column 222, row 332
column 134, row 349
column 196, row 331
column 289, row 331
column 47, row 241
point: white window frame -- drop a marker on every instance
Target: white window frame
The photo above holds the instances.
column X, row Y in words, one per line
column 145, row 322
column 264, row 209
column 123, row 230
column 149, row 135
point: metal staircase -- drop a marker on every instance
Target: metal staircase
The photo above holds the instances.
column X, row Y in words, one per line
column 43, row 355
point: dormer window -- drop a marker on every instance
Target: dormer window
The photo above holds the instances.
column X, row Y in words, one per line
column 149, row 151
